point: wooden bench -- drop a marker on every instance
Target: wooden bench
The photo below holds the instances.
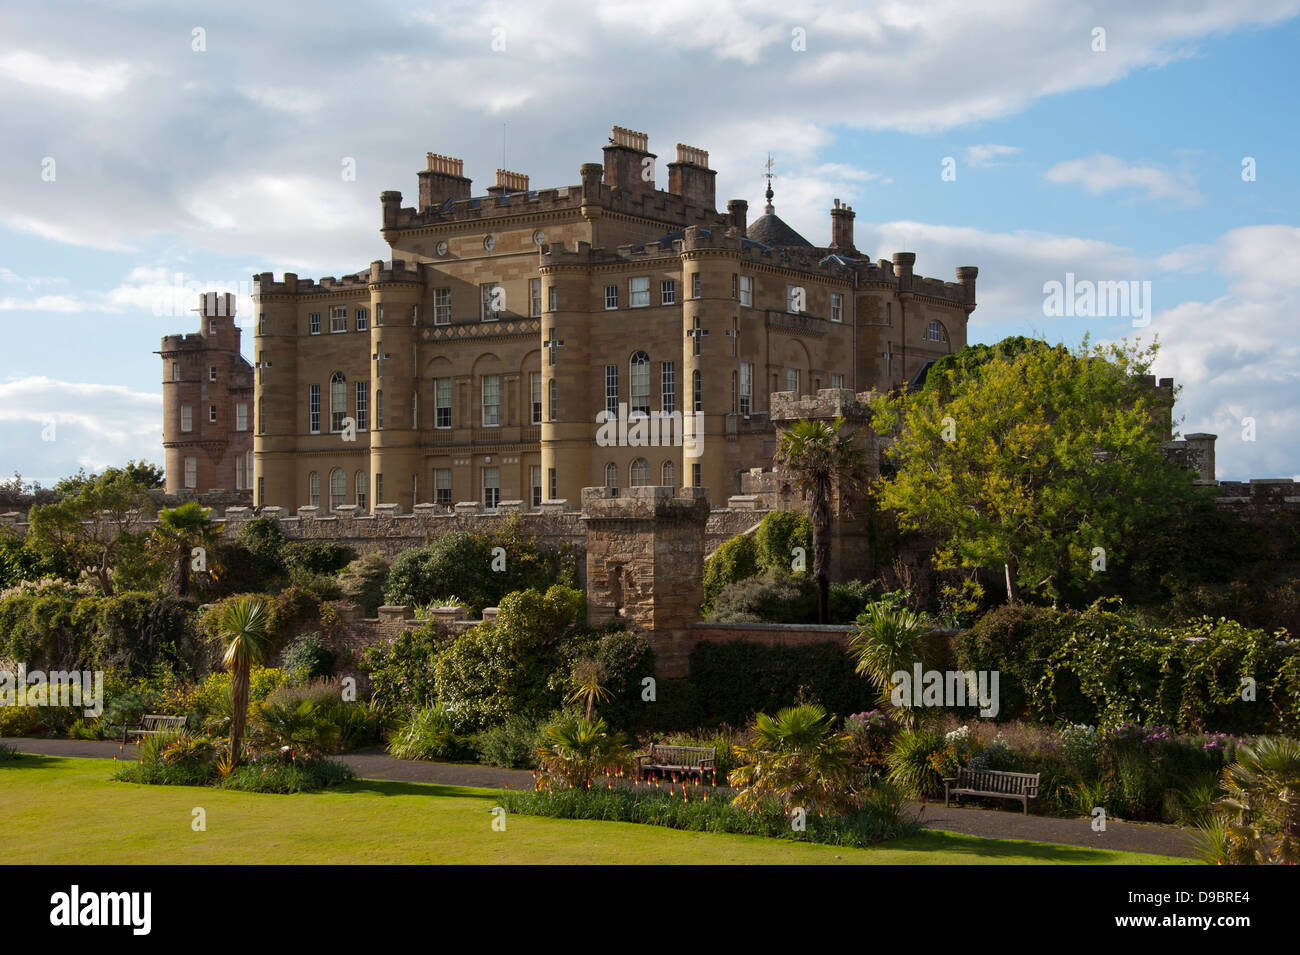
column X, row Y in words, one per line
column 152, row 724
column 991, row 782
column 688, row 760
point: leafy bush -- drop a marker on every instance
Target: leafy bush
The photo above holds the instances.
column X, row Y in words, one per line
column 848, row 600
column 8, row 753
column 316, row 556
column 622, row 657
column 363, row 581
column 776, row 537
column 402, row 672
column 735, row 560
column 575, row 750
column 797, row 759
column 510, row 745
column 429, row 734
column 913, row 762
column 774, row 597
column 272, row 774
column 307, row 658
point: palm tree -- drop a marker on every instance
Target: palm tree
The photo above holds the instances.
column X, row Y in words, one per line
column 1261, row 824
column 246, row 632
column 179, row 531
column 797, row 758
column 888, row 639
column 575, row 750
column 822, row 457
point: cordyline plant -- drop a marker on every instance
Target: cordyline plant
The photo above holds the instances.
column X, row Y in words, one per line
column 246, row 633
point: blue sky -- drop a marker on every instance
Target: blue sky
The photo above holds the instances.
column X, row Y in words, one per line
column 200, row 144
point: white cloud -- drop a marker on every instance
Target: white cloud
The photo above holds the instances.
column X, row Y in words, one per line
column 1100, row 174
column 65, row 76
column 989, row 154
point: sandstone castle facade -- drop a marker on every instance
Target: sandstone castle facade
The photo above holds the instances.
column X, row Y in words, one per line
column 524, row 344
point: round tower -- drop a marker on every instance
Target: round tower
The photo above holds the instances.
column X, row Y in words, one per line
column 396, row 293
column 279, row 413
column 570, row 399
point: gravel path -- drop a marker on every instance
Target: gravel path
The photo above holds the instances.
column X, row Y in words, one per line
column 988, row 823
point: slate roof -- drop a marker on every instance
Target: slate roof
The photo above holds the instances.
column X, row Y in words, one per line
column 771, row 230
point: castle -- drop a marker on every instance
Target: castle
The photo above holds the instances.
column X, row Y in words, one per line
column 524, row 344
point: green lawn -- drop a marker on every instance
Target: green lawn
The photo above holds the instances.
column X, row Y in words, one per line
column 61, row 810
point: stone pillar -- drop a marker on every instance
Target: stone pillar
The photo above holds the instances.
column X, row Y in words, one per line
column 645, row 564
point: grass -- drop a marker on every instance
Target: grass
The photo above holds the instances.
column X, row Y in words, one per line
column 61, row 810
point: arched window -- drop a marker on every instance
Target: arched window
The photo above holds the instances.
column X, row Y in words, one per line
column 363, row 488
column 338, row 488
column 936, row 332
column 611, row 475
column 639, row 473
column 639, row 384
column 313, row 489
column 669, row 475
column 697, row 394
column 338, row 400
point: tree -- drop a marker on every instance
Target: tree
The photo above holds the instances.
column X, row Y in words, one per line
column 887, row 640
column 246, row 635
column 95, row 517
column 823, row 458
column 148, row 476
column 179, row 532
column 1044, row 464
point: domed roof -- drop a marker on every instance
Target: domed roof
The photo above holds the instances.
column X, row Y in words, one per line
column 771, row 229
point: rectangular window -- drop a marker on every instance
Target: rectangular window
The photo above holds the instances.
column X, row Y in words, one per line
column 363, row 319
column 735, row 285
column 611, row 297
column 837, row 307
column 889, row 313
column 191, row 472
column 611, row 390
column 212, row 413
column 379, row 489
column 792, row 380
column 379, row 423
column 550, row 400
column 638, row 292
column 379, row 315
column 338, row 318
column 668, row 292
column 668, row 387
column 746, row 387
column 494, row 301
column 176, row 371
column 535, row 483
column 534, row 297
column 550, row 484
column 239, row 473
column 187, row 418
column 491, row 487
column 313, row 320
column 241, row 416
column 261, row 323
column 442, row 402
column 550, row 299
column 747, row 290
column 695, row 285
column 363, row 405
column 313, row 409
column 442, row 306
column 261, row 492
column 212, row 372
column 535, row 395
column 491, row 401
column 695, row 475
column 639, row 387
column 442, row 485
column 837, row 381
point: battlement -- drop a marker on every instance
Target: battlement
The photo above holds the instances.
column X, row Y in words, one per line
column 380, row 272
column 645, row 503
column 828, row 403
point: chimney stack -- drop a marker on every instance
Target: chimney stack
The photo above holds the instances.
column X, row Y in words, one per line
column 628, row 161
column 508, row 182
column 842, row 227
column 443, row 179
column 691, row 178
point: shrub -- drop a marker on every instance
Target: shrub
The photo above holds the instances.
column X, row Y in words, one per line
column 402, row 672
column 307, row 658
column 510, row 745
column 774, row 597
column 776, row 537
column 316, row 556
column 871, row 738
column 913, row 760
column 848, row 600
column 575, row 750
column 735, row 560
column 273, row 774
column 429, row 734
column 623, row 659
column 363, row 581
column 8, row 753
column 797, row 759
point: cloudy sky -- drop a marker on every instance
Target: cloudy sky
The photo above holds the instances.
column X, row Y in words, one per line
column 151, row 149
